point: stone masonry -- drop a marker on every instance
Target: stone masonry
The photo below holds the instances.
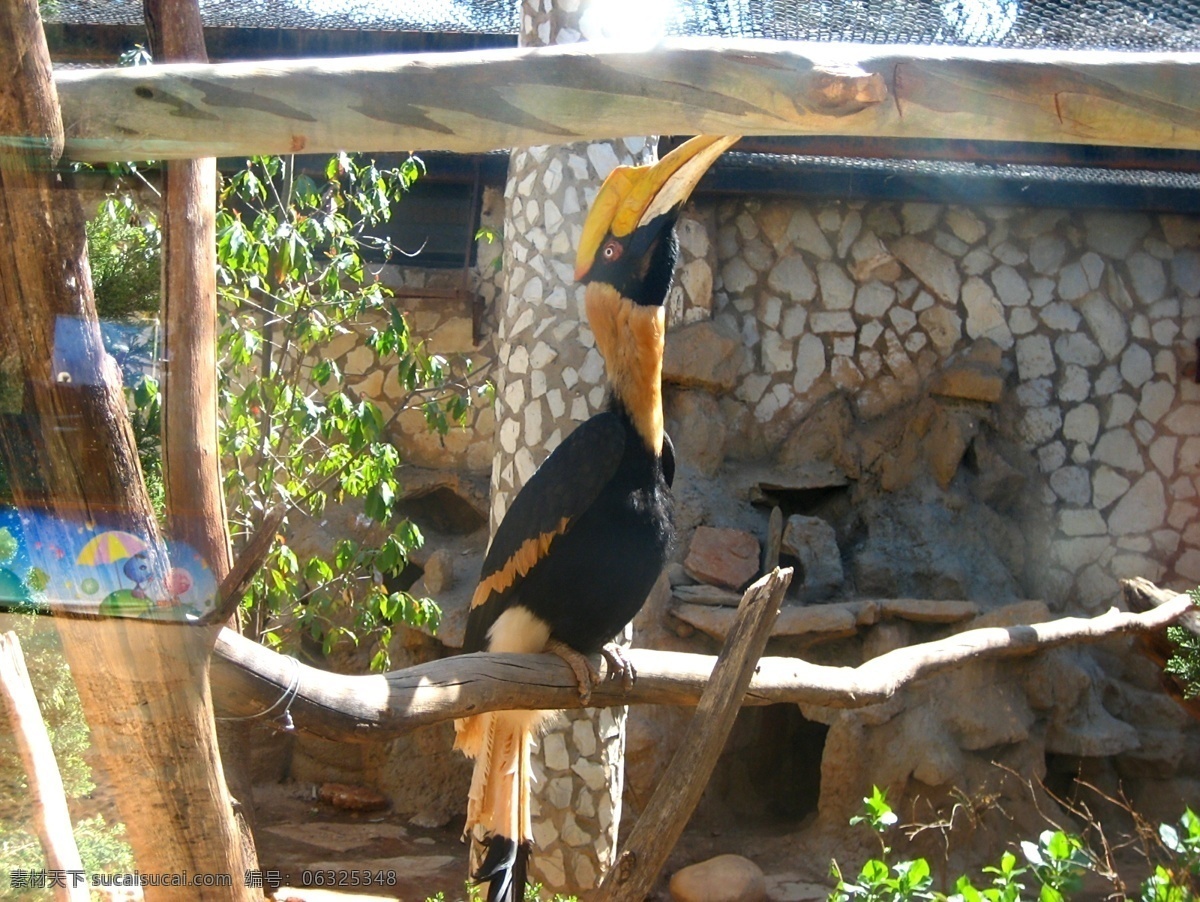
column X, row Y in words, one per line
column 551, row 378
column 1096, row 315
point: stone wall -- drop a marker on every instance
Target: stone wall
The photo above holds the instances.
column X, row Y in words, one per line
column 1094, row 317
column 991, row 411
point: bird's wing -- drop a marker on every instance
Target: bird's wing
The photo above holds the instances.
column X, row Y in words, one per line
column 563, row 488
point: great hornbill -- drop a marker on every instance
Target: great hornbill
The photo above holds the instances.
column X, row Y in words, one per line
column 585, row 539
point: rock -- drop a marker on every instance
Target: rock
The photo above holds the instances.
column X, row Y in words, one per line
column 792, row 278
column 806, row 235
column 935, row 269
column 837, row 291
column 1118, row 448
column 723, row 557
column 810, row 362
column 950, row 434
column 1115, row 234
column 812, row 542
column 1148, row 277
column 1046, row 253
column 1019, row 613
column 439, row 571
column 1035, row 357
column 1107, row 324
column 353, row 798
column 973, row 375
column 1082, row 424
column 1142, row 508
column 703, row 355
column 697, row 428
column 1010, row 287
column 707, row 595
column 985, row 314
column 928, row 610
column 814, row 622
column 943, row 325
column 726, row 878
column 820, row 443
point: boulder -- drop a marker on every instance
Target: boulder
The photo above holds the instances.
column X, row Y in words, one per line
column 697, row 429
column 726, row 878
column 723, row 557
column 973, row 375
column 813, row 543
column 703, row 355
column 439, row 571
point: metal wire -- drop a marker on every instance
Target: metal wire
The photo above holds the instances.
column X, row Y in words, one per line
column 1121, row 25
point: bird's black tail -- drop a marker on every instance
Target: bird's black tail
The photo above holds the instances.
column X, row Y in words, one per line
column 505, row 869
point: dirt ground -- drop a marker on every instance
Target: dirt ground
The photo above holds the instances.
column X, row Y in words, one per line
column 307, row 841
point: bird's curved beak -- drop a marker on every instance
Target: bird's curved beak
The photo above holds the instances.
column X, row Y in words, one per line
column 633, row 196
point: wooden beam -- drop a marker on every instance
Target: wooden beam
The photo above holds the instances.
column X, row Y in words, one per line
column 471, row 102
column 249, row 679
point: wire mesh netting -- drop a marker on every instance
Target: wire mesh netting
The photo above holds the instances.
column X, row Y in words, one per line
column 1162, row 25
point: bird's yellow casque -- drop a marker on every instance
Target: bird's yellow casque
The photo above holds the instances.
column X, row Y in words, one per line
column 586, row 538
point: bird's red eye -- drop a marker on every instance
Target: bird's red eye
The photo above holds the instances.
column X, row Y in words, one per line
column 611, row 252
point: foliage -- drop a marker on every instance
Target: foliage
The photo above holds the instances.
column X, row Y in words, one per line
column 877, row 880
column 533, row 893
column 102, row 849
column 123, row 251
column 1053, row 866
column 1178, row 878
column 1185, row 662
column 145, row 414
column 101, row 846
column 291, row 279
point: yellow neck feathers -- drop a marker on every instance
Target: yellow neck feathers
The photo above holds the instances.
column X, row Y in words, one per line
column 631, row 338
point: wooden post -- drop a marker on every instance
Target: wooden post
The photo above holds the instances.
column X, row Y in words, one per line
column 191, row 472
column 191, row 466
column 51, row 819
column 143, row 684
column 666, row 814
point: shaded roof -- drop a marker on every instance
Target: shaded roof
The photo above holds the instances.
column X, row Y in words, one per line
column 1163, row 25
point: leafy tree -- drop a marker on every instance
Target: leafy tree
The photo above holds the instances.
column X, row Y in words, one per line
column 1185, row 663
column 123, row 250
column 292, row 277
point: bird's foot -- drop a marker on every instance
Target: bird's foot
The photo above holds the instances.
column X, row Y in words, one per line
column 586, row 674
column 619, row 665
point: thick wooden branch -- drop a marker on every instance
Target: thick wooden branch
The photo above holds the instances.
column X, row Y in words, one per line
column 645, row 851
column 249, row 679
column 478, row 101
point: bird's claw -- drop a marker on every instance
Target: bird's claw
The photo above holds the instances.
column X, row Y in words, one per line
column 586, row 674
column 619, row 665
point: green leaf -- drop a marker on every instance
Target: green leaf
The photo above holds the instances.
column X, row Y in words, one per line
column 874, row 872
column 1050, row 894
column 1170, row 837
column 1032, row 853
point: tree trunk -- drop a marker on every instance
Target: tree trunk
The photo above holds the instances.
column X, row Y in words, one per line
column 191, row 466
column 143, row 684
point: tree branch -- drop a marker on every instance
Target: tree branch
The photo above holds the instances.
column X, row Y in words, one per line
column 249, row 679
